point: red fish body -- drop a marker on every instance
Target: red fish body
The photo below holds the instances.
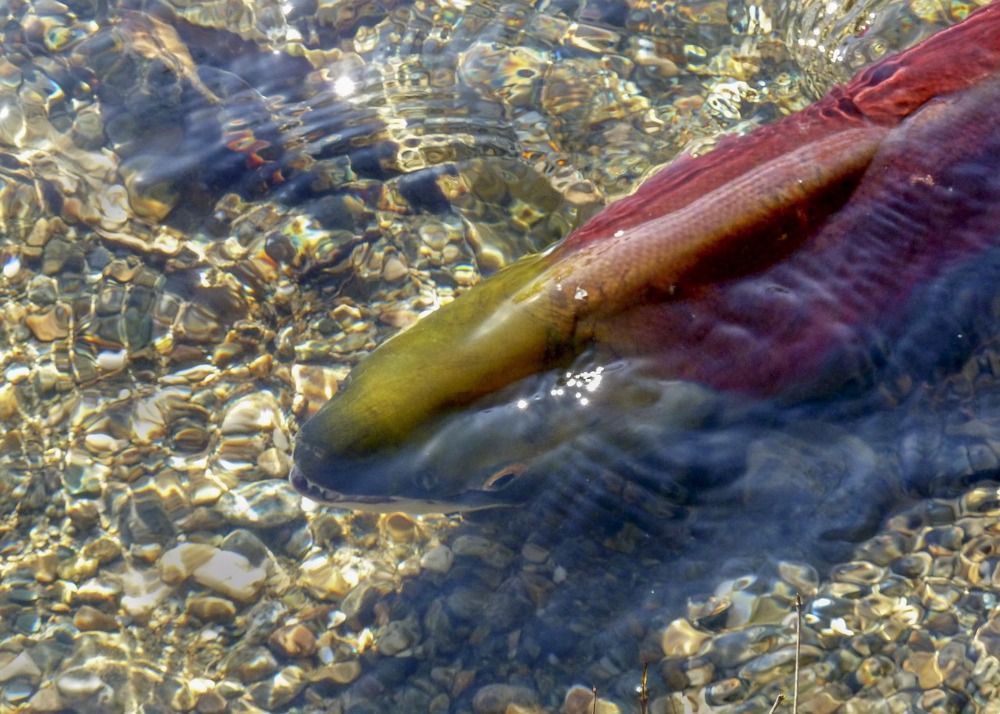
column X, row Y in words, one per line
column 785, row 262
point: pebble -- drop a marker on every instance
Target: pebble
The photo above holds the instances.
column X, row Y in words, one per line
column 250, row 664
column 358, row 606
column 339, row 673
column 438, row 559
column 396, row 637
column 79, row 683
column 497, row 698
column 281, row 689
column 581, row 700
column 293, row 641
column 144, row 593
column 47, row 699
column 16, row 692
column 211, row 703
column 21, row 665
column 88, row 618
column 399, row 527
column 210, row 608
column 534, row 553
column 325, row 579
column 489, row 552
column 177, row 564
column 681, row 639
column 231, row 575
column 262, row 504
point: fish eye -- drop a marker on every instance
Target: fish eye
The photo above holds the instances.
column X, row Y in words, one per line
column 503, row 478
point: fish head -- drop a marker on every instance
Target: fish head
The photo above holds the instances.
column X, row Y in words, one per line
column 482, row 456
column 506, row 448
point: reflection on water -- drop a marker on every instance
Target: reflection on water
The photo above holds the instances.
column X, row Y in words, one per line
column 210, row 211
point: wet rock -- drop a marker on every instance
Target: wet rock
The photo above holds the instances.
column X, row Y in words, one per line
column 496, row 698
column 209, row 608
column 490, row 552
column 581, row 700
column 358, row 606
column 399, row 527
column 211, row 703
column 397, row 637
column 326, row 579
column 89, row 618
column 438, row 559
column 177, row 564
column 227, row 573
column 279, row 690
column 680, row 639
column 250, row 664
column 47, row 699
column 79, row 683
column 293, row 641
column 338, row 673
column 21, row 665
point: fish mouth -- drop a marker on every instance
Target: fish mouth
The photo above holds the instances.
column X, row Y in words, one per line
column 312, row 490
column 385, row 504
column 379, row 483
column 311, row 464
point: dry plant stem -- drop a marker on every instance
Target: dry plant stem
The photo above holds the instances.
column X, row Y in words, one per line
column 643, row 692
column 779, row 700
column 798, row 650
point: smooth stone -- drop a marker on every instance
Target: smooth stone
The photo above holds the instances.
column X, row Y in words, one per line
column 496, row 698
column 581, row 700
column 210, row 608
column 89, row 618
column 211, row 703
column 232, row 575
column 17, row 691
column 293, row 641
column 79, row 683
column 280, row 690
column 178, row 563
column 46, row 700
column 339, row 673
column 681, row 639
column 491, row 553
column 250, row 664
column 397, row 637
column 261, row 504
column 21, row 666
column 438, row 559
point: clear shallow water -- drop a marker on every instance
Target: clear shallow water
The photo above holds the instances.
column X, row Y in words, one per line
column 203, row 229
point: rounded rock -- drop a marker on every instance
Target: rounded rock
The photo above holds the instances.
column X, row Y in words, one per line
column 438, row 559
column 293, row 641
column 496, row 698
column 89, row 619
column 339, row 673
column 262, row 504
column 79, row 683
column 210, row 608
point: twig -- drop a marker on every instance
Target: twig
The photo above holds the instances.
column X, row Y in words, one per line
column 798, row 651
column 779, row 700
column 643, row 692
